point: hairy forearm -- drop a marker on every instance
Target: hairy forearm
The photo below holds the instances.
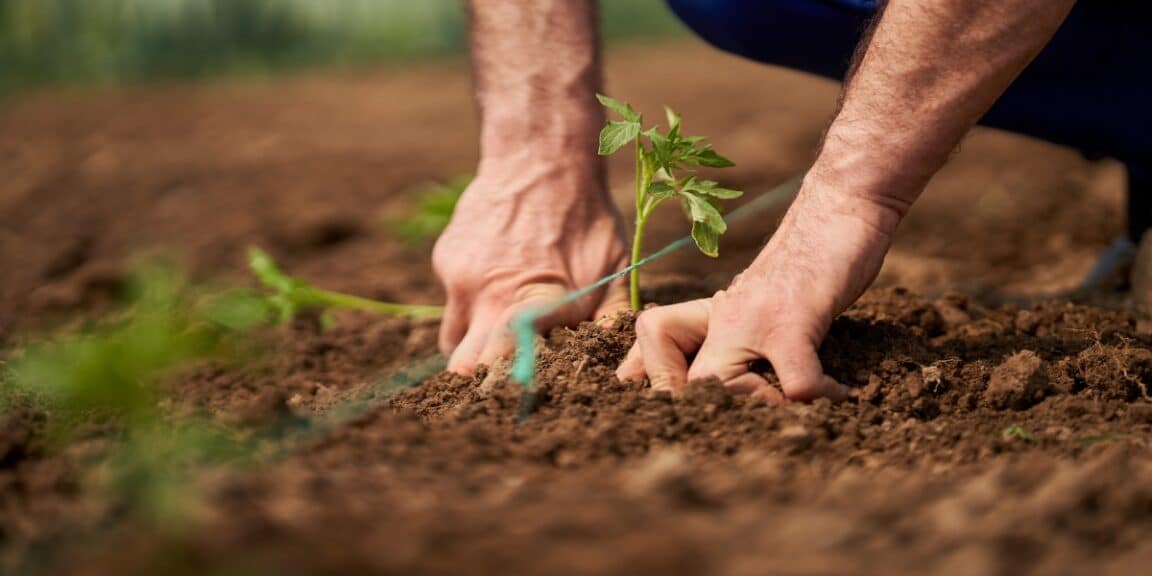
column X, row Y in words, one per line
column 537, row 67
column 930, row 71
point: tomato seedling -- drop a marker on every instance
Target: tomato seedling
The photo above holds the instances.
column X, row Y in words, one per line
column 116, row 371
column 291, row 296
column 666, row 163
column 116, row 366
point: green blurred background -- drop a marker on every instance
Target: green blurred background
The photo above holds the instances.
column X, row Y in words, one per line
column 54, row 43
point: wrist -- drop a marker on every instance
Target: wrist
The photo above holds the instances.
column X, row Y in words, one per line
column 540, row 126
column 865, row 181
column 823, row 201
column 549, row 155
column 557, row 190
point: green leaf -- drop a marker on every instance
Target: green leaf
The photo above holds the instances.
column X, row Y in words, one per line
column 268, row 272
column 703, row 212
column 236, row 310
column 706, row 238
column 622, row 108
column 673, row 123
column 710, row 188
column 661, row 190
column 708, row 157
column 661, row 149
column 616, row 135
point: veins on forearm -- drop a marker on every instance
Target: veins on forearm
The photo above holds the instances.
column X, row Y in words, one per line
column 929, row 70
column 537, row 66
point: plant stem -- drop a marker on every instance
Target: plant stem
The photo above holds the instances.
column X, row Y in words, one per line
column 349, row 302
column 634, row 275
column 642, row 181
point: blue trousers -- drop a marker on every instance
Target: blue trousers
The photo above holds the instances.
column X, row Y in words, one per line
column 1090, row 88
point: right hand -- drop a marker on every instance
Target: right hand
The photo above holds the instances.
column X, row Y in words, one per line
column 825, row 253
column 524, row 234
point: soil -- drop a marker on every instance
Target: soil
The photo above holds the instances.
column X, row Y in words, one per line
column 996, row 427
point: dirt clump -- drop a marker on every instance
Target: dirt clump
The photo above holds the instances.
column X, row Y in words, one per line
column 1019, row 383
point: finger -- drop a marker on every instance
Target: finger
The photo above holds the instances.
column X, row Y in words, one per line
column 453, row 326
column 632, row 368
column 467, row 354
column 770, row 395
column 793, row 358
column 501, row 339
column 801, row 376
column 747, row 383
column 724, row 356
column 666, row 336
column 756, row 386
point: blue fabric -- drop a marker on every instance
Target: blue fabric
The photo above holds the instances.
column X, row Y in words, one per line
column 1091, row 87
column 865, row 5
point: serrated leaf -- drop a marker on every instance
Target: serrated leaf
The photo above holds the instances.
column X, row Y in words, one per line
column 702, row 211
column 706, row 239
column 623, row 109
column 710, row 188
column 660, row 190
column 708, row 157
column 661, row 149
column 616, row 135
column 673, row 123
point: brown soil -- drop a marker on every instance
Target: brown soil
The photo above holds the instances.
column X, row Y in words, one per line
column 983, row 438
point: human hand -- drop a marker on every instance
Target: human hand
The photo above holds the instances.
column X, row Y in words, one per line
column 825, row 253
column 523, row 235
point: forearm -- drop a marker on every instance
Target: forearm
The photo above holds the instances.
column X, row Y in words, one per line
column 537, row 69
column 931, row 70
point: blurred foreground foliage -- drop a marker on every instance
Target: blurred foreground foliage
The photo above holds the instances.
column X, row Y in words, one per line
column 108, row 381
column 67, row 42
column 436, row 202
column 116, row 368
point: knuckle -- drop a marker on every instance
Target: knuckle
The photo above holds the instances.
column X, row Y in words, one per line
column 538, row 292
column 652, row 322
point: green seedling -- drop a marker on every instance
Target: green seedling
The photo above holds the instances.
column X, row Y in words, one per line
column 666, row 163
column 115, row 368
column 291, row 296
column 437, row 203
column 1015, row 432
column 114, row 372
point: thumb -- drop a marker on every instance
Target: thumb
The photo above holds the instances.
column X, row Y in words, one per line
column 531, row 298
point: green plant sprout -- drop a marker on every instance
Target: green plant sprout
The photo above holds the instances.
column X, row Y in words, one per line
column 665, row 169
column 437, row 203
column 114, row 368
column 115, row 372
column 291, row 296
column 1015, row 432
